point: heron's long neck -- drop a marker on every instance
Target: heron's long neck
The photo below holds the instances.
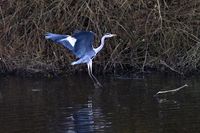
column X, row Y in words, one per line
column 101, row 45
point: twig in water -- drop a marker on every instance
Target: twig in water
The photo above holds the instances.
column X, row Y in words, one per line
column 171, row 91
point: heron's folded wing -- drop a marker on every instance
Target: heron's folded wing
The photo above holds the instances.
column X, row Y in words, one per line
column 65, row 40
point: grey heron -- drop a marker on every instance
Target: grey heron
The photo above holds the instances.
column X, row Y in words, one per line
column 81, row 45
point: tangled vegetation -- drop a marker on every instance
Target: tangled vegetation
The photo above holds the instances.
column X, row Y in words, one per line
column 161, row 34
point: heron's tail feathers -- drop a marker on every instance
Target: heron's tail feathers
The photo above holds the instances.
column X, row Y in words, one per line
column 81, row 60
column 76, row 62
column 73, row 63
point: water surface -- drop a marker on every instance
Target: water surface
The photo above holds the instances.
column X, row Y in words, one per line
column 123, row 105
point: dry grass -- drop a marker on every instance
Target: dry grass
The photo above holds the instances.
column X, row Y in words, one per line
column 151, row 33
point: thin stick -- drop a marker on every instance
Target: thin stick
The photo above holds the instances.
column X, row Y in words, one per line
column 159, row 11
column 171, row 91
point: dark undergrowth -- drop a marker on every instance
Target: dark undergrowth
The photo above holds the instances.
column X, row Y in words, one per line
column 160, row 35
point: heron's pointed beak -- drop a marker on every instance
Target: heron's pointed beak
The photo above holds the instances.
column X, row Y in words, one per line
column 114, row 35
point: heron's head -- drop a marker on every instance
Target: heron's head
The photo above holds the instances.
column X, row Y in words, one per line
column 108, row 35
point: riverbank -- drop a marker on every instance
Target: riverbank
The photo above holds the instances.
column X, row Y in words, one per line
column 128, row 73
column 158, row 35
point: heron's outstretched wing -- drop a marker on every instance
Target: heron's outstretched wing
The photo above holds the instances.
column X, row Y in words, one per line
column 65, row 40
column 84, row 41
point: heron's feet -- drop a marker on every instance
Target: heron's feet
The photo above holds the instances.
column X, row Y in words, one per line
column 97, row 85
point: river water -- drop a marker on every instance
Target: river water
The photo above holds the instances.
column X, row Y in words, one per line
column 123, row 105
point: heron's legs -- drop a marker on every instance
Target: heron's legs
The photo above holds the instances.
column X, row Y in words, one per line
column 91, row 75
column 90, row 64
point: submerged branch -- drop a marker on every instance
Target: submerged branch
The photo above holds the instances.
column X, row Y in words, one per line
column 171, row 91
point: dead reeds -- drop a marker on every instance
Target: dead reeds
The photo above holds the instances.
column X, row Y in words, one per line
column 151, row 34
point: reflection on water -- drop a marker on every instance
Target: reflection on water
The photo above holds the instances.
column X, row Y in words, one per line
column 75, row 106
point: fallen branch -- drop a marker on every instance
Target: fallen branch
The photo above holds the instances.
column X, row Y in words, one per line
column 171, row 91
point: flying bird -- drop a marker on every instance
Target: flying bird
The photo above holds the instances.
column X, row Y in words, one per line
column 81, row 45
